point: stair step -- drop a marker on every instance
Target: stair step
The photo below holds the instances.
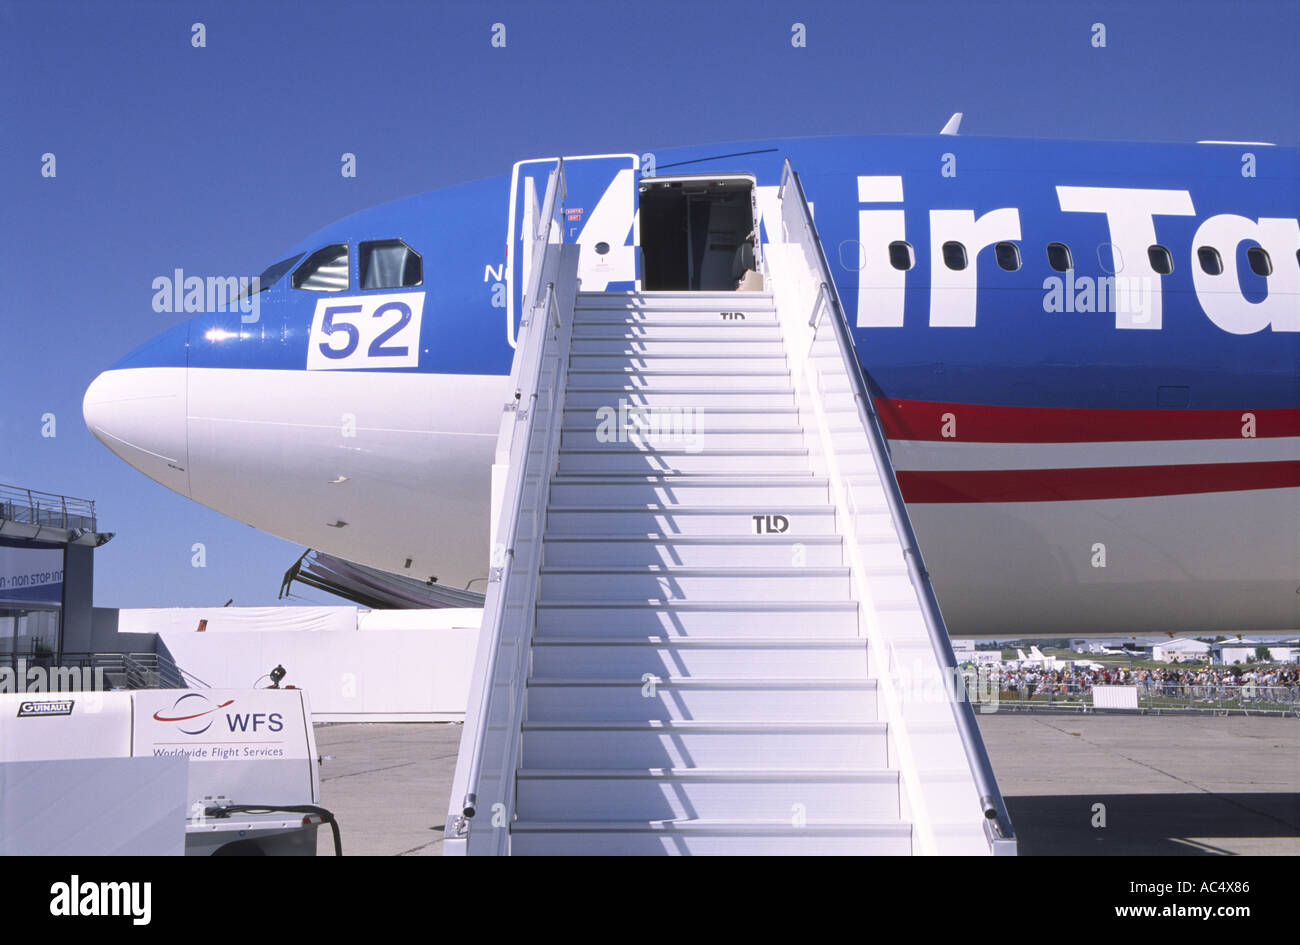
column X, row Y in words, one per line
column 663, row 583
column 668, row 794
column 721, row 314
column 615, row 457
column 640, row 491
column 845, row 420
column 836, row 382
column 868, row 497
column 882, row 555
column 691, row 397
column 874, row 525
column 902, row 622
column 681, row 330
column 673, row 318
column 599, row 656
column 709, row 838
column 857, row 462
column 696, row 551
column 670, row 520
column 736, row 745
column 676, row 302
column 697, row 618
column 716, row 699
column 684, row 431
column 670, row 294
column 726, row 348
column 739, row 476
column 892, row 588
column 707, row 365
column 865, row 483
column 658, row 380
column 630, row 413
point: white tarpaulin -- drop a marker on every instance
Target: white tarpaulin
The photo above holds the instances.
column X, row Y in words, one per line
column 443, row 618
column 230, row 619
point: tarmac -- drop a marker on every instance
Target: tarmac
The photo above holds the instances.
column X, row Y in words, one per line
column 1166, row 785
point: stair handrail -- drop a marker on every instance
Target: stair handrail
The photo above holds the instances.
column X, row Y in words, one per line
column 176, row 676
column 998, row 821
column 186, row 678
column 543, row 315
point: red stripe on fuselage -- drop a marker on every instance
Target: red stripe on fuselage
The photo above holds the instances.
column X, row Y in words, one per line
column 983, row 423
column 1108, row 482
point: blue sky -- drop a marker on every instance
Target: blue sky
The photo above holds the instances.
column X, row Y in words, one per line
column 216, row 159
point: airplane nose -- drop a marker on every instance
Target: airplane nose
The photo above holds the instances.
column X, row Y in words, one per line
column 140, row 414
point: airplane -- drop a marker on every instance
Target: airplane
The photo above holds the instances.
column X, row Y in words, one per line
column 1037, row 658
column 1084, row 354
column 1115, row 650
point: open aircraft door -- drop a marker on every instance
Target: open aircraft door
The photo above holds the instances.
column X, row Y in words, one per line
column 599, row 214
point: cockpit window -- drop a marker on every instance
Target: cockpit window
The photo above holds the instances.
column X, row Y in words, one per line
column 325, row 270
column 270, row 276
column 389, row 264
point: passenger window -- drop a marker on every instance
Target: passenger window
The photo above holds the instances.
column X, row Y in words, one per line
column 1008, row 255
column 1260, row 264
column 900, row 255
column 852, row 259
column 1161, row 260
column 1210, row 261
column 389, row 264
column 1058, row 257
column 325, row 270
column 1109, row 258
column 954, row 255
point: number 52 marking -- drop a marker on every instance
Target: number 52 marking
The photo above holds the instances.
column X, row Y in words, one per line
column 372, row 331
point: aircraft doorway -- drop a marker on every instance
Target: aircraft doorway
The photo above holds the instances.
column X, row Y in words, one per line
column 698, row 234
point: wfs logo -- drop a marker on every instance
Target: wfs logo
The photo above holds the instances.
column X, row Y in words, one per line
column 102, row 899
column 194, row 713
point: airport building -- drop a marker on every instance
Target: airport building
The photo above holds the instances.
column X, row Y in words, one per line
column 47, row 546
column 1246, row 651
column 1180, row 650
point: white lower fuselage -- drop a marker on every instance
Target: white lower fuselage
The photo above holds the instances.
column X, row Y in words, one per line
column 392, row 470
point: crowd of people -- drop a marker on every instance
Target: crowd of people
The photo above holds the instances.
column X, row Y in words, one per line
column 1276, row 684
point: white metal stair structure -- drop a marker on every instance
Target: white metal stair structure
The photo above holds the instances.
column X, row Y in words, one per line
column 696, row 683
column 702, row 633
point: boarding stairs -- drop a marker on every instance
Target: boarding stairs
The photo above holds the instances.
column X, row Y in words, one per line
column 705, row 630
